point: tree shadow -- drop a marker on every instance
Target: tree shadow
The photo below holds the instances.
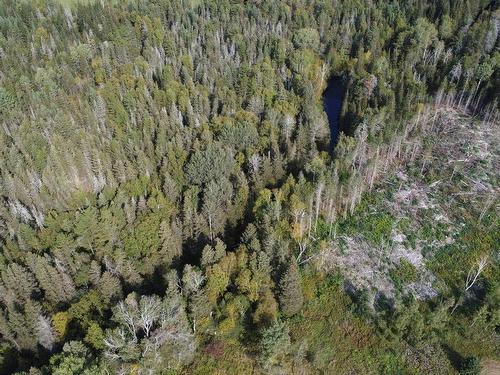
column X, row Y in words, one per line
column 454, row 357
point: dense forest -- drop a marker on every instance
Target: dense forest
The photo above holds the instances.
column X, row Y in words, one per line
column 170, row 202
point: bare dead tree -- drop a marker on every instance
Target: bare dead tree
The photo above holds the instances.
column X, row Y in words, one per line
column 319, row 192
column 474, row 273
column 150, row 309
column 472, row 277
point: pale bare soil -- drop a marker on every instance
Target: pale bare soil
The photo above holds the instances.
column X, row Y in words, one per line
column 490, row 367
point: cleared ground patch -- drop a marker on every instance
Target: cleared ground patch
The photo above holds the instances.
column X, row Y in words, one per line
column 490, row 367
column 435, row 214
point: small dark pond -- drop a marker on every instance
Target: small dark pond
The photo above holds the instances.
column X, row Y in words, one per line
column 332, row 102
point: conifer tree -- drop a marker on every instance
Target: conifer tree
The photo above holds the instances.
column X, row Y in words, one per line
column 290, row 290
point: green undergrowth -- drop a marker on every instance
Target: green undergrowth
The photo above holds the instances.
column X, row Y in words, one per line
column 334, row 338
column 369, row 220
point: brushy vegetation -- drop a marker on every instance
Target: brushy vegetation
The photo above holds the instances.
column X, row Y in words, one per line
column 169, row 203
column 438, row 235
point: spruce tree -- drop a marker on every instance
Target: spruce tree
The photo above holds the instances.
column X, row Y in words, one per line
column 290, row 296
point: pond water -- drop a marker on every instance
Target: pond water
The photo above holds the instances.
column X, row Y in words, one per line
column 332, row 102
